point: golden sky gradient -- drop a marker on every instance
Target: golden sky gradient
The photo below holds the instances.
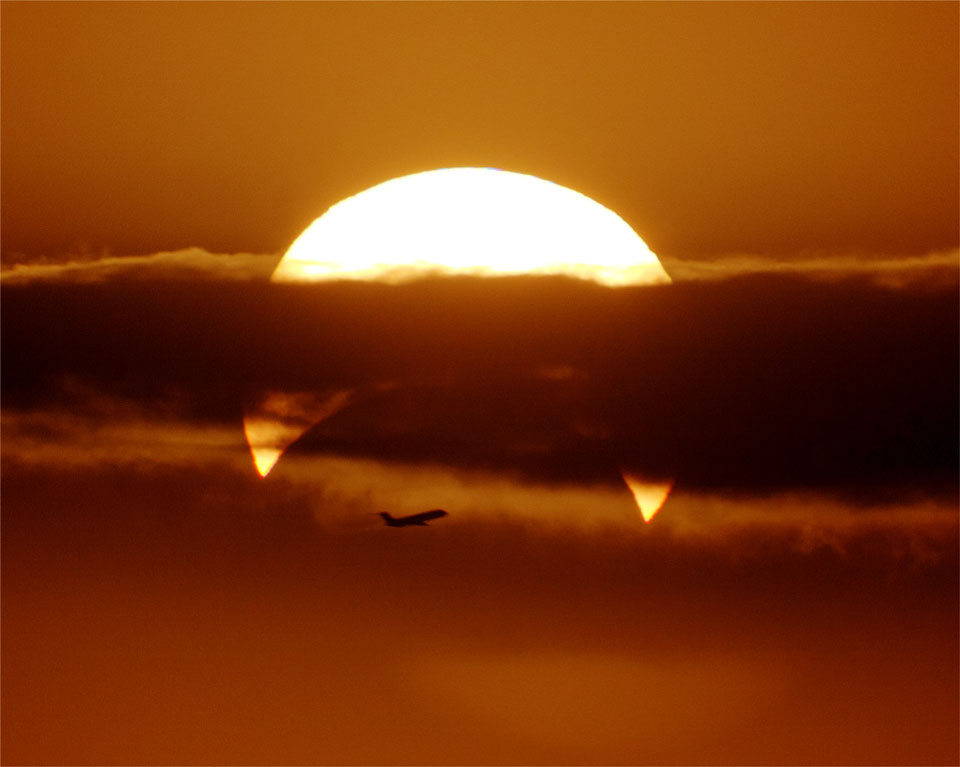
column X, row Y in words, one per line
column 794, row 601
column 711, row 128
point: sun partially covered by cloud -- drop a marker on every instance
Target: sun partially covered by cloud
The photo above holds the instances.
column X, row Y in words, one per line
column 691, row 411
column 277, row 419
column 649, row 495
column 469, row 221
column 96, row 435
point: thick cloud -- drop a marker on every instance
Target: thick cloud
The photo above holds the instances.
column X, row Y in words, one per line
column 163, row 604
column 754, row 384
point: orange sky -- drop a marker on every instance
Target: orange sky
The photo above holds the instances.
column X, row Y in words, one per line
column 711, row 128
column 183, row 611
column 794, row 601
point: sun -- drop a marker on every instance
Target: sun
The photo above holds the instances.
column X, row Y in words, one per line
column 469, row 221
column 479, row 222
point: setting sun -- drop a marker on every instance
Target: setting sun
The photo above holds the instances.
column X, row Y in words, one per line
column 469, row 221
column 479, row 222
column 462, row 383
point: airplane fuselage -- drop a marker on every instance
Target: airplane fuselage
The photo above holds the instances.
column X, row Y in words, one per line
column 419, row 520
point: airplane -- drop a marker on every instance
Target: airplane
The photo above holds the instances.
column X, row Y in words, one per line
column 412, row 519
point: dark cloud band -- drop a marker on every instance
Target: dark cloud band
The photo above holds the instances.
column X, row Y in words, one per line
column 754, row 384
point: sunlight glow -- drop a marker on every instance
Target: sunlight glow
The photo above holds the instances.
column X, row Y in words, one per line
column 650, row 496
column 452, row 221
column 469, row 221
column 280, row 418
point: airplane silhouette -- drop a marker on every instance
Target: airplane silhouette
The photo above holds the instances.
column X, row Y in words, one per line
column 412, row 519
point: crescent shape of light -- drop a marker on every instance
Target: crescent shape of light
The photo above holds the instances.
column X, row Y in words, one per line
column 469, row 221
column 649, row 495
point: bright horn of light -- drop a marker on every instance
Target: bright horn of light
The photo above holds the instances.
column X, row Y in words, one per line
column 464, row 221
column 469, row 221
column 650, row 496
column 281, row 418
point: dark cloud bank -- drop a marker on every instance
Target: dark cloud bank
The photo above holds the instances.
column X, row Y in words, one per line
column 191, row 613
column 751, row 385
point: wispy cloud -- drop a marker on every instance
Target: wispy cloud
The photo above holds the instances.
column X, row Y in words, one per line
column 937, row 268
column 101, row 436
column 122, row 436
column 940, row 267
column 189, row 263
column 188, row 601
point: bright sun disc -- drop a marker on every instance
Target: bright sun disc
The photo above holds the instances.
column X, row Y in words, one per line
column 469, row 221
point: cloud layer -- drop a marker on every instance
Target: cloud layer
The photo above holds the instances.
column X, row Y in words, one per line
column 756, row 384
column 190, row 614
column 188, row 264
column 937, row 268
column 794, row 602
